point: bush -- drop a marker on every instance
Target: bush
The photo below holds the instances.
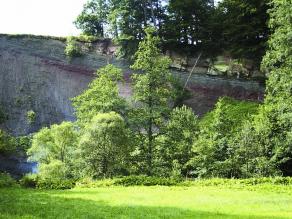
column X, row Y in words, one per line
column 6, row 180
column 29, row 181
column 72, row 48
column 31, row 116
column 87, row 38
column 90, row 183
column 7, row 143
column 58, row 184
column 54, row 170
column 36, row 181
column 146, row 181
column 128, row 181
column 53, row 176
column 239, row 182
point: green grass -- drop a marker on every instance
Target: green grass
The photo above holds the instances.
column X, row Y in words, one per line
column 262, row 202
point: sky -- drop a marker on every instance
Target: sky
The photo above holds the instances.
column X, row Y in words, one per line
column 40, row 17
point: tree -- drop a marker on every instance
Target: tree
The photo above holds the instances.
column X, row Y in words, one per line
column 125, row 20
column 251, row 156
column 244, row 28
column 101, row 96
column 187, row 21
column 214, row 149
column 93, row 18
column 211, row 147
column 152, row 95
column 54, row 143
column 178, row 139
column 276, row 112
column 104, row 145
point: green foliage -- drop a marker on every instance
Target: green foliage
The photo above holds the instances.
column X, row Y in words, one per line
column 7, row 143
column 152, row 94
column 31, row 116
column 57, row 184
column 72, row 48
column 184, row 25
column 56, row 169
column 140, row 180
column 104, row 145
column 86, row 38
column 54, row 150
column 29, row 181
column 176, row 143
column 187, row 22
column 236, row 112
column 273, row 124
column 158, row 181
column 23, row 143
column 240, row 182
column 214, row 147
column 3, row 116
column 93, row 18
column 6, row 180
column 32, row 36
column 101, row 96
column 245, row 30
column 52, row 176
column 145, row 181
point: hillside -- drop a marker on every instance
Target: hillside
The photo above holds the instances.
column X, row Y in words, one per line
column 36, row 75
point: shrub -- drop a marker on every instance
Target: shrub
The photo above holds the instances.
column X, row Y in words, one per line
column 54, row 170
column 146, row 181
column 239, row 182
column 23, row 142
column 72, row 48
column 7, row 143
column 87, row 38
column 58, row 184
column 129, row 181
column 90, row 183
column 31, row 117
column 6, row 180
column 29, row 181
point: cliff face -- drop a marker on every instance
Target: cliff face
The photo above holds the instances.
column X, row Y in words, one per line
column 36, row 75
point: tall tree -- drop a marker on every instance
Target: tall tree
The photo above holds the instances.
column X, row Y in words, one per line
column 93, row 18
column 187, row 21
column 104, row 145
column 178, row 139
column 244, row 28
column 54, row 143
column 277, row 110
column 101, row 96
column 152, row 93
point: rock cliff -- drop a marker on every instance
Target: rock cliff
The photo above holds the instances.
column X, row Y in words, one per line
column 35, row 75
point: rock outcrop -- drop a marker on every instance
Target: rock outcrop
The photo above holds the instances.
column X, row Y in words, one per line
column 35, row 75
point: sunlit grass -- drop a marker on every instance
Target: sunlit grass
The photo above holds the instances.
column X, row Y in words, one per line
column 148, row 202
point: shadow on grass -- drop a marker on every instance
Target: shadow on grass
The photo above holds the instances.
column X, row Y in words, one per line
column 20, row 203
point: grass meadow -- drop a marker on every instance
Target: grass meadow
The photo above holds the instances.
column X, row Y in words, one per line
column 260, row 202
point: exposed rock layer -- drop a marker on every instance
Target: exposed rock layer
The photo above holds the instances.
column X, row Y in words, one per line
column 36, row 75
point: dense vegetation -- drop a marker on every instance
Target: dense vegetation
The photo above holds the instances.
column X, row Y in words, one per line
column 152, row 134
column 236, row 27
column 149, row 135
